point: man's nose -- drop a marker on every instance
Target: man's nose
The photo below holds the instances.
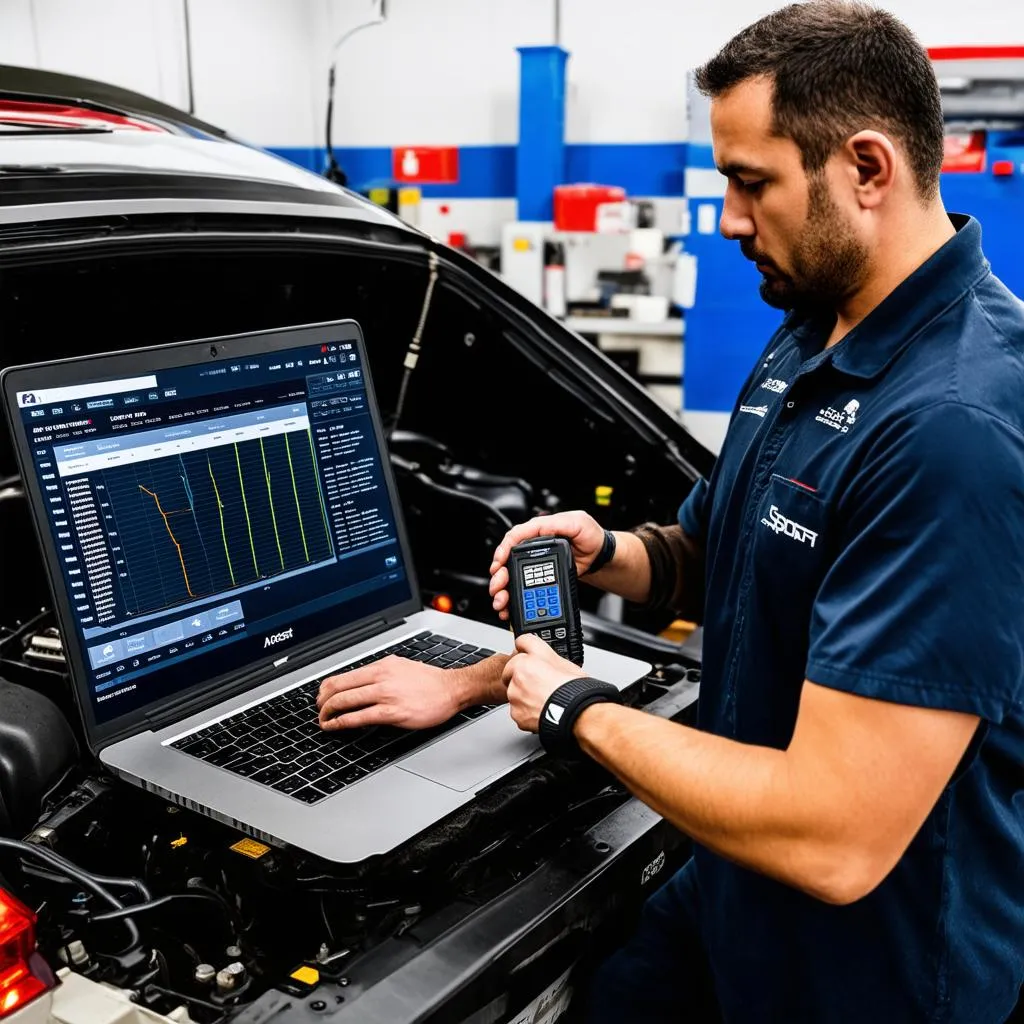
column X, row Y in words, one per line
column 736, row 222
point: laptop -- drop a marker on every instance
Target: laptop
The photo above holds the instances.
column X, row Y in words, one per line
column 221, row 532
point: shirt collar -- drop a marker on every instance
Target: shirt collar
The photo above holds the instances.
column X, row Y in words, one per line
column 938, row 283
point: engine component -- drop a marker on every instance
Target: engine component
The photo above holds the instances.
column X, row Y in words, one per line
column 205, row 974
column 37, row 750
column 231, row 977
column 45, row 646
column 74, row 953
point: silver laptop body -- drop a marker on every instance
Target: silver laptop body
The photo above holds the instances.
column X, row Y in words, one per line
column 221, row 531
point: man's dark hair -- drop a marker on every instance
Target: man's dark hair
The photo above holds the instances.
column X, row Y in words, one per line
column 839, row 67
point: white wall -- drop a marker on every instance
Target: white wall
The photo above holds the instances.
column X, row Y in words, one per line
column 628, row 66
column 18, row 38
column 136, row 45
column 626, row 77
column 253, row 71
column 437, row 72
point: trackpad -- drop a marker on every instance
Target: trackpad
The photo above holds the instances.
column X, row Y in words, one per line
column 462, row 759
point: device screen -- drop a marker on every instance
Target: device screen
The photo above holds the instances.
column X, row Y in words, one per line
column 210, row 515
column 541, row 596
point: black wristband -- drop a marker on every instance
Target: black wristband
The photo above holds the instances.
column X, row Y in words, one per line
column 563, row 707
column 605, row 555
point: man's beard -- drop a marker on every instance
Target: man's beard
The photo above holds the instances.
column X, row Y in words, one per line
column 828, row 261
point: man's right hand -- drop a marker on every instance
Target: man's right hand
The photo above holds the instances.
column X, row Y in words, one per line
column 392, row 691
column 583, row 531
column 407, row 694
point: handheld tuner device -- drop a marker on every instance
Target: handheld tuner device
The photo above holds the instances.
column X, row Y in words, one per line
column 542, row 594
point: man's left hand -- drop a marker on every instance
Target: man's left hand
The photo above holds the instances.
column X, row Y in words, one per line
column 532, row 675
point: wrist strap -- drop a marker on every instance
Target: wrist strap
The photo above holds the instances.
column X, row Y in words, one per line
column 563, row 707
column 605, row 555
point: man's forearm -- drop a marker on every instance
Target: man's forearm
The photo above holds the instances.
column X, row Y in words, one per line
column 628, row 574
column 661, row 567
column 736, row 799
column 480, row 683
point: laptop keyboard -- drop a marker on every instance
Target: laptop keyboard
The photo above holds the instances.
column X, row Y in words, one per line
column 279, row 743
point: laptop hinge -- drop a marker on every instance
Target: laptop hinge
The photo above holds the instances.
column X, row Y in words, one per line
column 179, row 710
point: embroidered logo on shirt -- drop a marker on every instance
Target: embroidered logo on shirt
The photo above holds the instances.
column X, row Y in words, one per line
column 839, row 419
column 775, row 385
column 778, row 523
column 755, row 410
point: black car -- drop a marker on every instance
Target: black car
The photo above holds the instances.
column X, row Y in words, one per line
column 126, row 223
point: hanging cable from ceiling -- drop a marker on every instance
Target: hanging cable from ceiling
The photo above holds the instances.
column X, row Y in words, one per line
column 334, row 171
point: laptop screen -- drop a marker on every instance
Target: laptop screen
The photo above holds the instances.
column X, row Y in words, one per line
column 209, row 516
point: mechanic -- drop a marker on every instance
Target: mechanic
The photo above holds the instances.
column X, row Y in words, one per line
column 855, row 786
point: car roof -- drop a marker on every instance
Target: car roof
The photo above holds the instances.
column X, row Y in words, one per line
column 122, row 149
column 67, row 139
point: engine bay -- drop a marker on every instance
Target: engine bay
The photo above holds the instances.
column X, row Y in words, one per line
column 179, row 910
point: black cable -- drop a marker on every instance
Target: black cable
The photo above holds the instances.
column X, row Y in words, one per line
column 412, row 354
column 108, row 880
column 161, row 901
column 327, row 923
column 197, row 887
column 194, row 1000
column 87, row 881
column 334, row 172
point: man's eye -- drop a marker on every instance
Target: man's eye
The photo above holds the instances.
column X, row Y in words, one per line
column 753, row 187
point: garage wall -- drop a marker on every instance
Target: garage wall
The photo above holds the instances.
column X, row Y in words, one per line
column 252, row 69
column 136, row 45
column 441, row 72
column 628, row 67
column 251, row 59
column 438, row 72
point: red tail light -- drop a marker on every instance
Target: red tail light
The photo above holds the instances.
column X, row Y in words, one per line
column 18, row 983
column 66, row 115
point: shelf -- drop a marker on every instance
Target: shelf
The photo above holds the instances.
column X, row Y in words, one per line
column 623, row 325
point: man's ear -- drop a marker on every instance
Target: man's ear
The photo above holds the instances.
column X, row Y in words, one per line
column 872, row 164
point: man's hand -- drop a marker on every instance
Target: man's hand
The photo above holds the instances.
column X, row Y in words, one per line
column 392, row 691
column 584, row 533
column 408, row 694
column 531, row 676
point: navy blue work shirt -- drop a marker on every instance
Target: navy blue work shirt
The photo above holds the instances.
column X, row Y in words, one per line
column 864, row 529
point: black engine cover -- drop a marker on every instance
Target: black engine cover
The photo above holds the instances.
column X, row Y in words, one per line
column 37, row 748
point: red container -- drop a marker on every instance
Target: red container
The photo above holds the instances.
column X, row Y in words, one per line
column 576, row 205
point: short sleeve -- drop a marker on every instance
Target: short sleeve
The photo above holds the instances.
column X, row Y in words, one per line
column 693, row 513
column 924, row 603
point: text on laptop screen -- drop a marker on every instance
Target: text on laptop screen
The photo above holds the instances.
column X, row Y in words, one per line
column 208, row 516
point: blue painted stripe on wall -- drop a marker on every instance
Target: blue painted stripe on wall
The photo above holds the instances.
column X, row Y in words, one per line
column 485, row 172
column 489, row 172
column 642, row 169
column 700, row 154
column 313, row 158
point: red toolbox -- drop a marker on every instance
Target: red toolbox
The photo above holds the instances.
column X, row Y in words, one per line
column 576, row 206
